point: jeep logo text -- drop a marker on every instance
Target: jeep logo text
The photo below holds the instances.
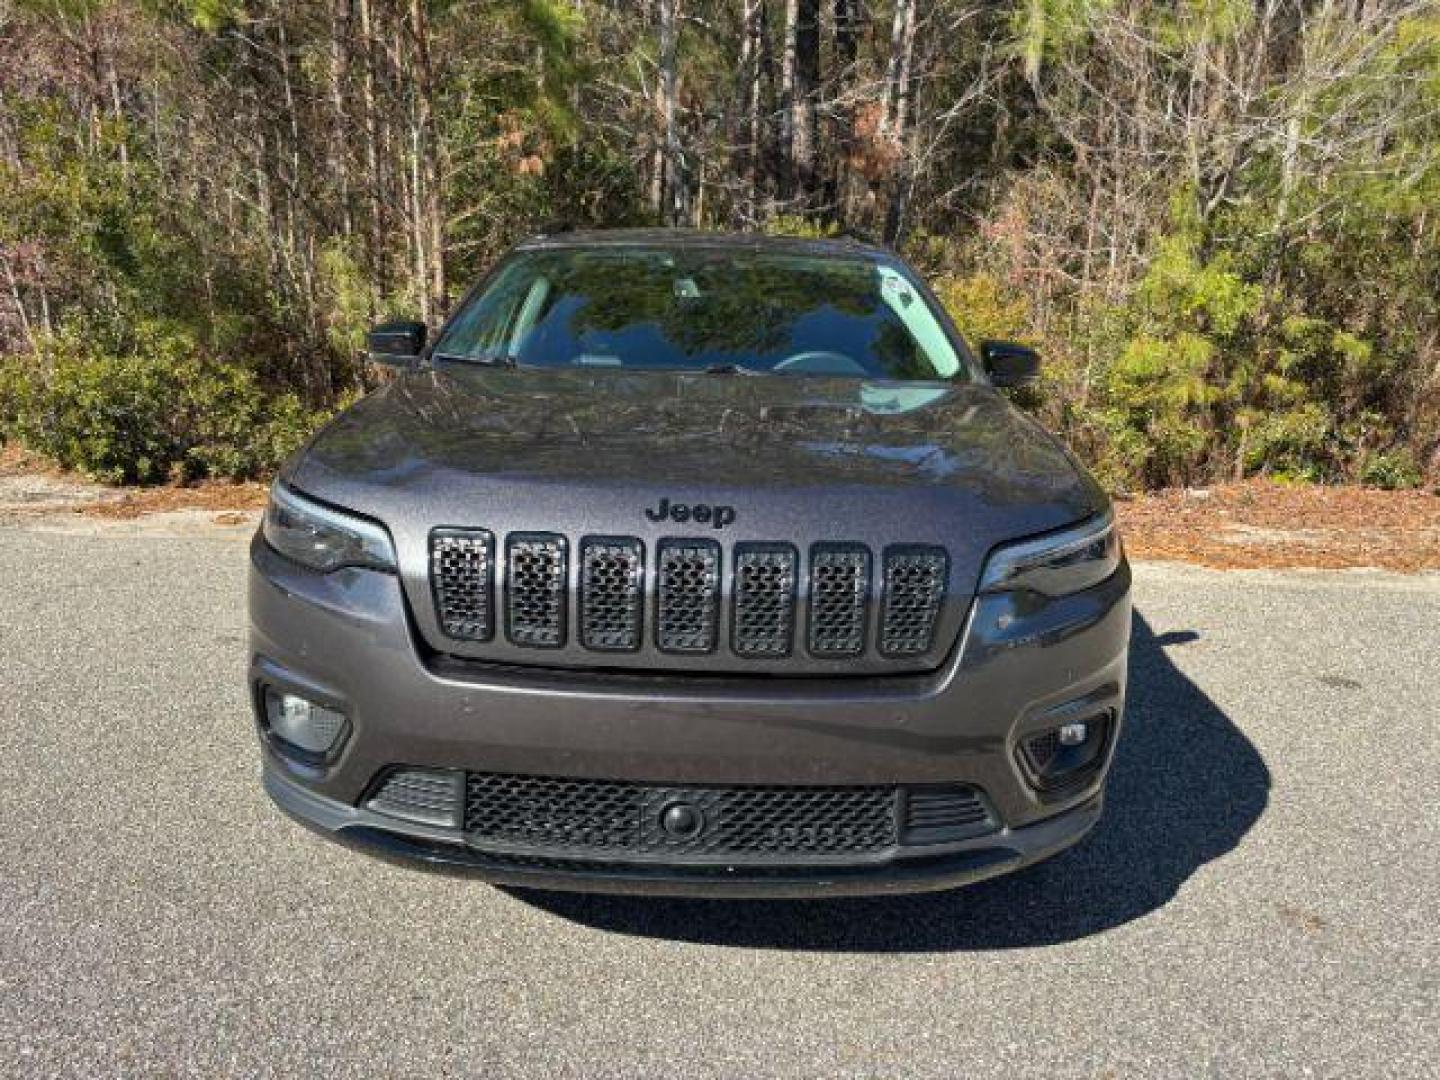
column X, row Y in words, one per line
column 717, row 517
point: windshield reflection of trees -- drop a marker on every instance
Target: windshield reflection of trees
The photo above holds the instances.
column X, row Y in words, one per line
column 696, row 309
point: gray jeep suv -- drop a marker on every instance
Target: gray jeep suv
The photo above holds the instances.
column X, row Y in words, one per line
column 691, row 563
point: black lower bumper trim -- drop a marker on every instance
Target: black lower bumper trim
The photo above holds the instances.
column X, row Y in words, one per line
column 976, row 860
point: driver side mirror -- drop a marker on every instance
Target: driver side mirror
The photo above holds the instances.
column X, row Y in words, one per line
column 1009, row 364
column 396, row 344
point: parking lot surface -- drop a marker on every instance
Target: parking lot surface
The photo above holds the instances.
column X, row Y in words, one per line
column 1261, row 897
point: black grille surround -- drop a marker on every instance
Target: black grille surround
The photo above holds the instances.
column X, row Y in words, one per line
column 915, row 580
column 536, row 574
column 612, row 593
column 623, row 821
column 763, row 620
column 754, row 601
column 687, row 596
column 839, row 599
column 462, row 571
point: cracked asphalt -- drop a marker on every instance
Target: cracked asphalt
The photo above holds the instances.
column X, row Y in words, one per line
column 1261, row 898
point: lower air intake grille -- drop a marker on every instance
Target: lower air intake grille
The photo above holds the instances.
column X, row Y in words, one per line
column 937, row 815
column 764, row 622
column 613, row 818
column 687, row 607
column 462, row 567
column 914, row 587
column 839, row 598
column 535, row 571
column 612, row 578
column 427, row 796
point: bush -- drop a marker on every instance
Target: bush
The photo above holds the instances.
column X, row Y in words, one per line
column 1393, row 471
column 165, row 413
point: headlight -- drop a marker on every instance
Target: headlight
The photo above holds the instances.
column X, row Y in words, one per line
column 1058, row 564
column 321, row 538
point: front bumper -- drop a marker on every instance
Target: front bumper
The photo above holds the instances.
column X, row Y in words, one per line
column 346, row 639
column 959, row 864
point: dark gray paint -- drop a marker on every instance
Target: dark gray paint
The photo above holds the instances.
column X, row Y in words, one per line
column 801, row 460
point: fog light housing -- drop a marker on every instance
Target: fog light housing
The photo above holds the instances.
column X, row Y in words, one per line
column 303, row 727
column 1066, row 754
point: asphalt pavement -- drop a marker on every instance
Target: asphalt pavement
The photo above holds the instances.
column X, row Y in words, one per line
column 1261, row 899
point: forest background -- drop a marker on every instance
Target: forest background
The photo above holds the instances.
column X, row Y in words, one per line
column 1218, row 220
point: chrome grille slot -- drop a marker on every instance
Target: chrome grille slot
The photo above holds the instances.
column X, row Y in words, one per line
column 914, row 589
column 839, row 599
column 612, row 584
column 763, row 624
column 462, row 570
column 687, row 600
column 535, row 589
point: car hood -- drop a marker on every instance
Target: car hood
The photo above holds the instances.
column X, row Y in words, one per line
column 791, row 460
column 677, row 431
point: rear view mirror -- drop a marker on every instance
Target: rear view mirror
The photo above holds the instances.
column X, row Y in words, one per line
column 397, row 344
column 1009, row 364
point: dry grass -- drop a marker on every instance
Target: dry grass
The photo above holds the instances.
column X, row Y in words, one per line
column 1259, row 524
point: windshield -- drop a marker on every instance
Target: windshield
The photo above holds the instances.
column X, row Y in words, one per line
column 704, row 309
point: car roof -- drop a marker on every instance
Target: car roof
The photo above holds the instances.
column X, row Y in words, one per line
column 702, row 238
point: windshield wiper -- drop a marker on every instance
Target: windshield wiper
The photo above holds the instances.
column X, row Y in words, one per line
column 730, row 369
column 489, row 359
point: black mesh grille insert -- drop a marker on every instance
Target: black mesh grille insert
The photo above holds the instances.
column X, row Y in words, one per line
column 764, row 617
column 914, row 588
column 687, row 604
column 462, row 568
column 612, row 818
column 936, row 815
column 839, row 598
column 612, row 584
column 430, row 796
column 535, row 572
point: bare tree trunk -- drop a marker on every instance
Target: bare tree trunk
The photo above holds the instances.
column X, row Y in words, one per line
column 785, row 181
column 895, row 121
column 378, row 262
column 427, row 150
column 747, row 152
column 805, row 121
column 339, row 138
column 672, row 180
column 849, row 22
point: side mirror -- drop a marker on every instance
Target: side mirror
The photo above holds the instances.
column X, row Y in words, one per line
column 397, row 344
column 1009, row 364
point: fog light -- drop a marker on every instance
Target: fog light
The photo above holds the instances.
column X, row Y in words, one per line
column 301, row 723
column 1066, row 754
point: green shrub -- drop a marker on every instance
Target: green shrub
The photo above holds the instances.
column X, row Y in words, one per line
column 1293, row 441
column 164, row 413
column 1393, row 470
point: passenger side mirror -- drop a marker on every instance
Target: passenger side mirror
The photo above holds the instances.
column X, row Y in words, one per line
column 396, row 344
column 1009, row 364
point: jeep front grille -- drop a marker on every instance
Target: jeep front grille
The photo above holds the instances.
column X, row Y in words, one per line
column 763, row 623
column 687, row 609
column 914, row 583
column 757, row 595
column 462, row 567
column 535, row 593
column 839, row 599
column 612, row 593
